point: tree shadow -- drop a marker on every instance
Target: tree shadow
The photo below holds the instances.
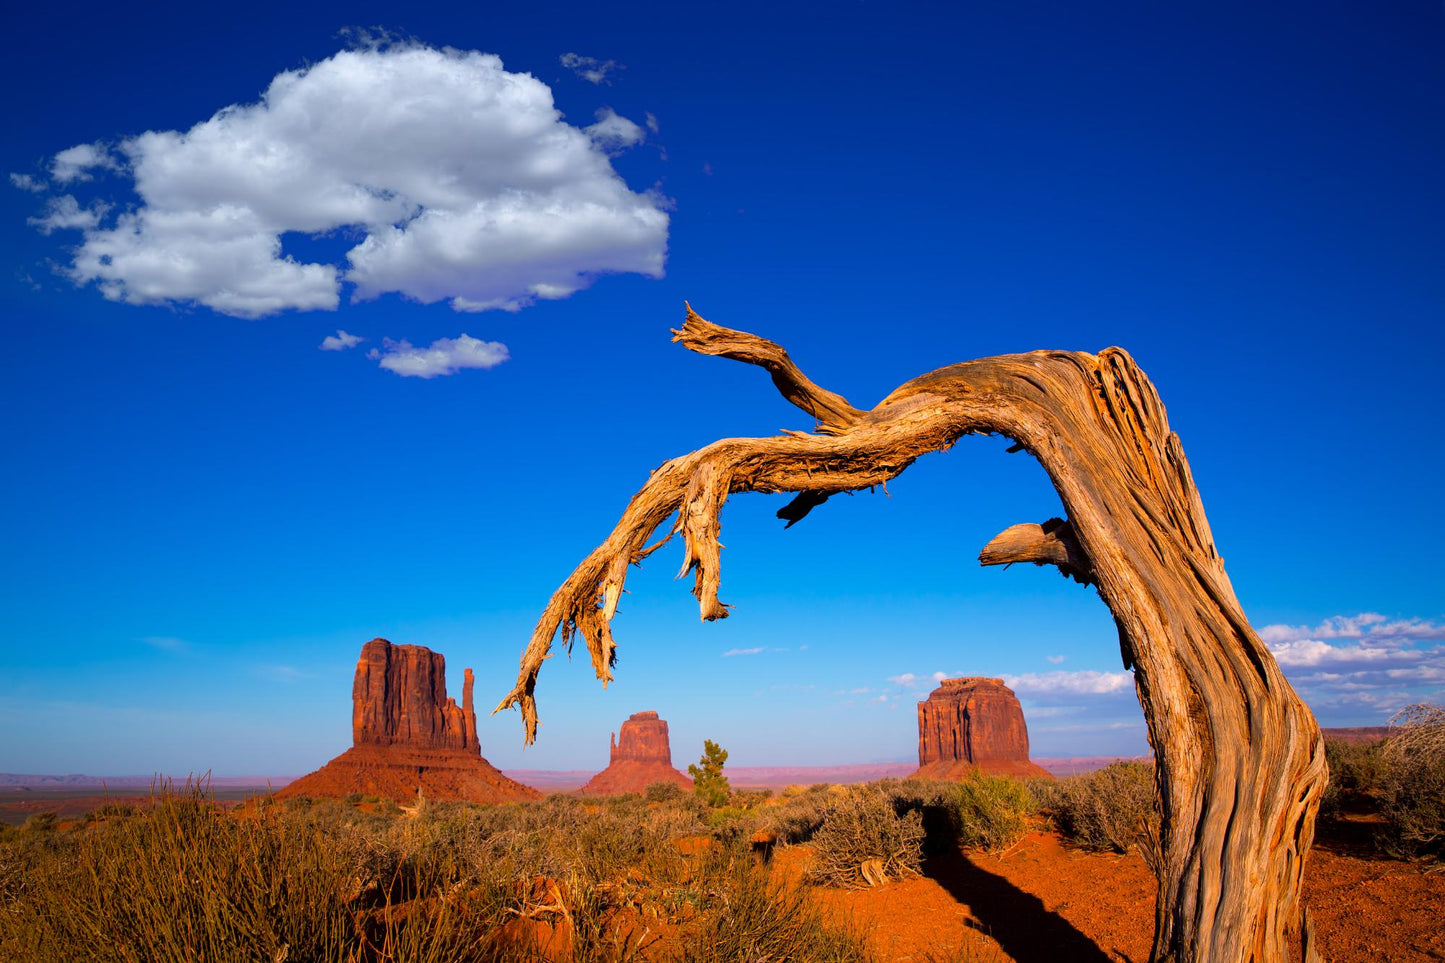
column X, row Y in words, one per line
column 1015, row 919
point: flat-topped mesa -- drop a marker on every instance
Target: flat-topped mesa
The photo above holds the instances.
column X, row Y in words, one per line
column 399, row 698
column 408, row 738
column 973, row 723
column 641, row 756
column 644, row 738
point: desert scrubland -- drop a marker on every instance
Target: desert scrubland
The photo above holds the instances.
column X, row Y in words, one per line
column 986, row 868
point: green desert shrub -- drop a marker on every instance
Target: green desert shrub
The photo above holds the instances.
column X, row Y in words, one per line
column 1356, row 769
column 990, row 812
column 1110, row 809
column 661, row 792
column 708, row 781
column 863, row 840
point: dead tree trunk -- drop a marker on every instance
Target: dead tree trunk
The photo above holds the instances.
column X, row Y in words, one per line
column 1240, row 760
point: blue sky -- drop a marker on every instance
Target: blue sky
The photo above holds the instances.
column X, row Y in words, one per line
column 207, row 512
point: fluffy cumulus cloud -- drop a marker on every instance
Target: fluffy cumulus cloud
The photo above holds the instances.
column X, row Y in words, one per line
column 65, row 212
column 340, row 341
column 444, row 356
column 614, row 133
column 1360, row 669
column 76, row 163
column 459, row 180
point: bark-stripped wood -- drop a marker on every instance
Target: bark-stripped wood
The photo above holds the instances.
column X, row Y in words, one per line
column 1240, row 760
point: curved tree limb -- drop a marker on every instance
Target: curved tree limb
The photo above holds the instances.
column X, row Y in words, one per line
column 1052, row 543
column 1240, row 761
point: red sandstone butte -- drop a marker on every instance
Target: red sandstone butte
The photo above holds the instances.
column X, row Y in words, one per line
column 641, row 756
column 973, row 725
column 409, row 737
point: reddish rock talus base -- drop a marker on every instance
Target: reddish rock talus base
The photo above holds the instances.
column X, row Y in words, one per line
column 641, row 756
column 409, row 737
column 973, row 725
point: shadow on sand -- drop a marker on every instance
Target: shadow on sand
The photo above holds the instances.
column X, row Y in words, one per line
column 1017, row 920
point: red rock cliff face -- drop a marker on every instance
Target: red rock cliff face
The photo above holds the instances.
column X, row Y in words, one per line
column 973, row 723
column 644, row 738
column 641, row 756
column 399, row 698
column 410, row 739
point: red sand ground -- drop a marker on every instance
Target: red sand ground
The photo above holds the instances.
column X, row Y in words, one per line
column 1045, row 901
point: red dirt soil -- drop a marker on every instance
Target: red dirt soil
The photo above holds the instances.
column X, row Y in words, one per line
column 1046, row 901
column 397, row 772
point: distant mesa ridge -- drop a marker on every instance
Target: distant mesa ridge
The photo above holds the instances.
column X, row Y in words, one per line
column 641, row 755
column 409, row 737
column 973, row 724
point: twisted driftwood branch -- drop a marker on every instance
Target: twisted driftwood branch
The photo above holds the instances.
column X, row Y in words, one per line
column 1240, row 761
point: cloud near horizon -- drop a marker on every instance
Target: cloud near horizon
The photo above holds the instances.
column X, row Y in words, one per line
column 1361, row 669
column 461, row 179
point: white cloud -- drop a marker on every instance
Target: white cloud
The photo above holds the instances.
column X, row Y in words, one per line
column 1082, row 682
column 652, row 123
column 444, row 356
column 461, row 178
column 1360, row 669
column 1367, row 626
column 906, row 680
column 939, row 676
column 590, row 69
column 34, row 185
column 614, row 133
column 1312, row 652
column 732, row 652
column 75, row 163
column 340, row 341
column 1056, row 659
column 64, row 212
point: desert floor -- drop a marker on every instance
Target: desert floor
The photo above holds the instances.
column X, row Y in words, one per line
column 1043, row 900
